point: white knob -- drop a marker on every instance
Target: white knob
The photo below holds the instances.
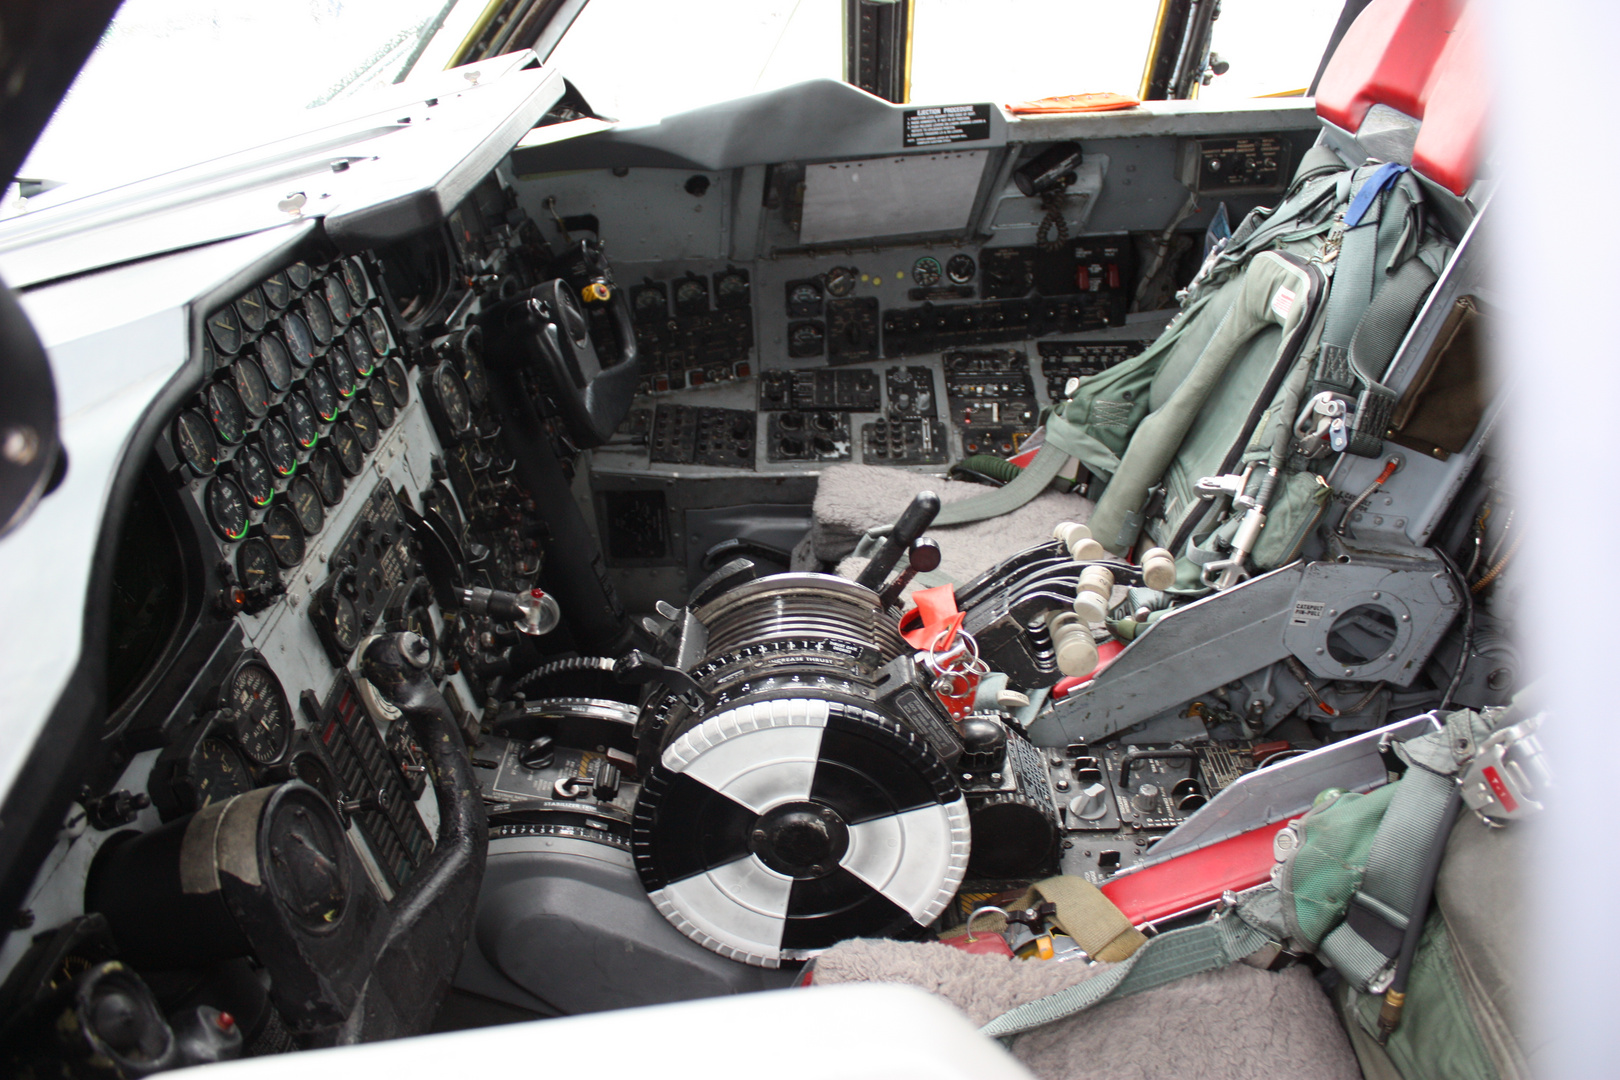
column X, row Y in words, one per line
column 1077, row 653
column 1158, row 568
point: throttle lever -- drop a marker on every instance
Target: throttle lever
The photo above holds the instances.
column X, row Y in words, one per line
column 636, row 668
column 924, row 556
column 913, row 520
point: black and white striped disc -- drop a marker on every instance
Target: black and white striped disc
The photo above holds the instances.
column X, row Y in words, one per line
column 775, row 829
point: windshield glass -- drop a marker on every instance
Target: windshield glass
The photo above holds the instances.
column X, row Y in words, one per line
column 171, row 83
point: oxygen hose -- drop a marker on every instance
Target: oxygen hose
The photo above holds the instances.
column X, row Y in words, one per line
column 1389, row 1014
column 1350, row 511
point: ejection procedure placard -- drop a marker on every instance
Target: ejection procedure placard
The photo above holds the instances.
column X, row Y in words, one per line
column 943, row 124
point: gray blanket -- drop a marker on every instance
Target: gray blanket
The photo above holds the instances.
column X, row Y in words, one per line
column 1237, row 1022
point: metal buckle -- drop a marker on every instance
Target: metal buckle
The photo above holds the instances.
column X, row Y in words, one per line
column 1508, row 773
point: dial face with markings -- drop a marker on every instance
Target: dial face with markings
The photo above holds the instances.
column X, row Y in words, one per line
column 960, row 269
column 346, row 445
column 337, row 300
column 276, row 363
column 364, row 423
column 225, row 409
column 278, row 291
column 284, row 536
column 227, row 508
column 342, row 373
column 300, row 342
column 343, row 622
column 225, row 327
column 925, row 271
column 251, row 387
column 354, row 279
column 841, row 280
column 324, row 396
column 194, row 441
column 360, row 350
column 399, row 383
column 377, row 331
column 218, row 771
column 253, row 310
column 319, row 318
column 256, row 565
column 253, row 471
column 301, row 421
column 306, row 504
column 264, row 723
column 452, row 394
column 300, row 275
column 381, row 404
column 276, row 442
column 328, row 477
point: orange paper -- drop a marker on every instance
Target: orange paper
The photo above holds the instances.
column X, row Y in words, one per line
column 1074, row 103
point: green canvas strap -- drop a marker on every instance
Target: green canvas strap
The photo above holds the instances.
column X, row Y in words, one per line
column 1039, row 473
column 1174, row 955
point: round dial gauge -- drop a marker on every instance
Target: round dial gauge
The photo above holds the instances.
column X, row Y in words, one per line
column 691, row 292
column 364, row 423
column 225, row 410
column 300, row 342
column 250, row 306
column 362, row 365
column 253, row 471
column 452, row 395
column 651, row 305
column 731, row 284
column 276, row 443
column 343, row 622
column 960, row 269
column 323, row 395
column 346, row 445
column 319, row 318
column 252, row 387
column 381, row 404
column 472, row 372
column 227, row 508
column 342, row 372
column 276, row 362
column 264, row 724
column 377, row 331
column 399, row 384
column 306, row 504
column 300, row 275
column 210, row 355
column 804, row 294
column 841, row 280
column 226, row 330
column 359, row 347
column 337, row 300
column 218, row 771
column 301, row 421
column 354, row 279
column 805, row 339
column 284, row 535
column 328, row 477
column 256, row 564
column 312, row 770
column 195, row 443
column 925, row 271
column 277, row 290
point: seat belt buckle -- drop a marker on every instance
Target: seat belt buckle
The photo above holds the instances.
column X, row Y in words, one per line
column 1509, row 775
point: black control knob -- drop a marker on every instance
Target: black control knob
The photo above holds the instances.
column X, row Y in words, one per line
column 984, row 745
column 538, row 753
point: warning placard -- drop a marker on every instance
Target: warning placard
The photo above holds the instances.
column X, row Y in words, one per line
column 945, row 124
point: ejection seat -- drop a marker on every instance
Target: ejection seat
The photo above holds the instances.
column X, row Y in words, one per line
column 1215, row 395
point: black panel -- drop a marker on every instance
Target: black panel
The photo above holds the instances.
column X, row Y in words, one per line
column 825, row 911
column 694, row 827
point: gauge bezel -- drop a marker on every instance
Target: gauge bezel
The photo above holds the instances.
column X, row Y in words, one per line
column 927, row 272
column 341, row 372
column 312, row 303
column 446, row 382
column 251, row 544
column 300, row 269
column 221, row 529
column 382, row 404
column 375, row 323
column 178, row 443
column 352, row 272
column 319, row 378
column 359, row 347
column 954, row 268
column 285, row 560
column 333, row 286
column 325, row 454
column 265, row 441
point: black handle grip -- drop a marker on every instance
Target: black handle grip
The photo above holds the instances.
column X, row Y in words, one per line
column 916, row 517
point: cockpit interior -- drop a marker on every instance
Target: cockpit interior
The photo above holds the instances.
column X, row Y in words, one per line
column 510, row 564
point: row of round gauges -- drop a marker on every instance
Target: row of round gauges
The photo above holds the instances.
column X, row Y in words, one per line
column 320, row 309
column 251, row 728
column 926, row 272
